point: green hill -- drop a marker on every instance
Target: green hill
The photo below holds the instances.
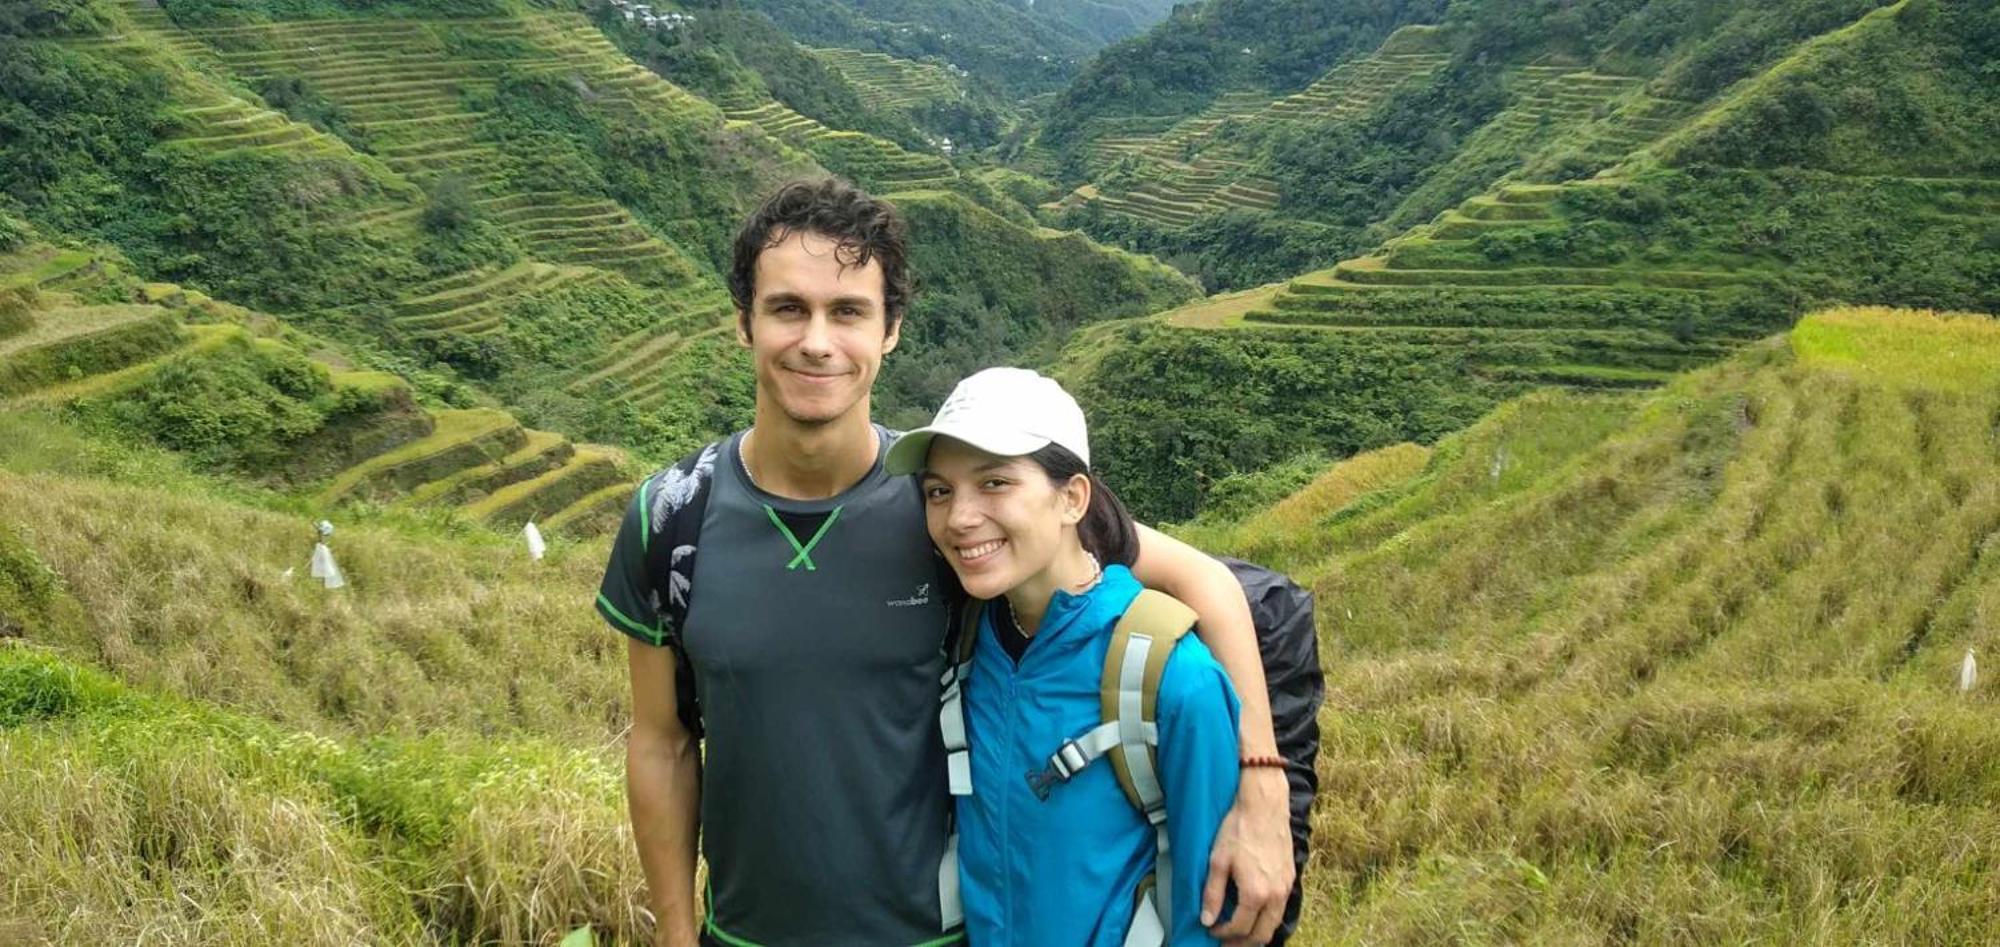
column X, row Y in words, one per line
column 1544, row 223
column 1671, row 665
column 1649, row 666
column 1242, row 187
column 235, row 391
column 491, row 198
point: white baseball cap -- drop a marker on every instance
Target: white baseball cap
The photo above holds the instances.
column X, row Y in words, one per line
column 1003, row 411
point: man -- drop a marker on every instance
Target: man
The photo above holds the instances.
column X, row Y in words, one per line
column 815, row 629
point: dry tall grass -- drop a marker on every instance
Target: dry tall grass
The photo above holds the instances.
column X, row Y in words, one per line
column 138, row 819
column 1676, row 668
column 189, row 595
column 1695, row 684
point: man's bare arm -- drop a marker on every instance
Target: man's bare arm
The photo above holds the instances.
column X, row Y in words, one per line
column 663, row 788
column 1254, row 849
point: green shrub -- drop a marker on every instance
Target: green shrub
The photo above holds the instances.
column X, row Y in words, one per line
column 448, row 205
column 239, row 407
column 1238, row 495
column 31, row 600
column 14, row 233
column 51, row 18
column 1173, row 412
column 296, row 97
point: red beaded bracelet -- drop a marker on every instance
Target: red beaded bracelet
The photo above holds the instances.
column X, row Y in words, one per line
column 1268, row 762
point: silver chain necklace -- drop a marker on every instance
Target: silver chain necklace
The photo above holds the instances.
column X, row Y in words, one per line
column 1096, row 576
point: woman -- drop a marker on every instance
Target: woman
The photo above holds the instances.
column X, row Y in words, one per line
column 1063, row 856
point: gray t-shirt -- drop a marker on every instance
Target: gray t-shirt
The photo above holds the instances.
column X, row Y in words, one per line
column 815, row 630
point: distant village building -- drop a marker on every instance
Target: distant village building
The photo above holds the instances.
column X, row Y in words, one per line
column 643, row 14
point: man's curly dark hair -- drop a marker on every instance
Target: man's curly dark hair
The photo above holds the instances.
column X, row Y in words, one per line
column 862, row 227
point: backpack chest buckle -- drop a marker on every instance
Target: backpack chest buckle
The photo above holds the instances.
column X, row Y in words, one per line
column 1068, row 760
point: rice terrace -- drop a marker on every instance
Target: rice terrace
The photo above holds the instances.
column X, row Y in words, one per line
column 1621, row 377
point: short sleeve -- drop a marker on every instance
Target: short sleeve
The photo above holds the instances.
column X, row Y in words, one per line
column 1198, row 714
column 629, row 597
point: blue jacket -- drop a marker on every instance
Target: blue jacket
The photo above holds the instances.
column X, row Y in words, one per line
column 1064, row 871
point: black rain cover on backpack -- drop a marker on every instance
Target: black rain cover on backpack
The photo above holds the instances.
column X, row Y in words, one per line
column 1289, row 645
column 670, row 557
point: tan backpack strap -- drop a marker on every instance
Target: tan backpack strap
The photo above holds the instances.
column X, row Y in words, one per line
column 951, row 699
column 968, row 627
column 1162, row 620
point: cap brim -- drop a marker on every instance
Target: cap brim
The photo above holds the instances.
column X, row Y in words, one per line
column 911, row 452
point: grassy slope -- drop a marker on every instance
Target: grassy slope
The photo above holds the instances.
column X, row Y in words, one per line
column 132, row 816
column 440, row 628
column 1676, row 667
column 1667, row 667
column 236, row 392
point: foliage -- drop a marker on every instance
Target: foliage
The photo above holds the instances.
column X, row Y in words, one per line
column 1004, row 44
column 241, row 407
column 201, row 13
column 564, row 142
column 73, row 126
column 1173, row 412
column 1238, row 495
column 1230, row 250
column 1354, row 173
column 713, row 392
column 23, row 18
column 80, row 131
column 296, row 97
column 14, row 233
column 1852, row 104
column 448, row 204
column 1336, row 179
column 1178, row 66
column 1004, row 295
column 77, row 356
column 729, row 54
column 1830, row 237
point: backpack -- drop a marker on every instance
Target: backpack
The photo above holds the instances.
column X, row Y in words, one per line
column 1140, row 644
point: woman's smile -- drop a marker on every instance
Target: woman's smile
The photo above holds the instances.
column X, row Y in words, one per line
column 980, row 553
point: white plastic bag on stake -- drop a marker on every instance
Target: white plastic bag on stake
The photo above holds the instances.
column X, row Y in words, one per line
column 324, row 568
column 534, row 537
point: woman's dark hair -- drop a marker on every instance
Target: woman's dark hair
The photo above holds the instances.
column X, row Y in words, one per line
column 863, row 228
column 1107, row 530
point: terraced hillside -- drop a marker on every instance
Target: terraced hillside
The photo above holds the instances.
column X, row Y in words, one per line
column 1592, row 252
column 1218, row 161
column 1676, row 665
column 886, row 82
column 875, row 163
column 1595, row 232
column 344, row 435
column 417, row 97
column 404, row 92
column 1602, row 325
column 1211, row 162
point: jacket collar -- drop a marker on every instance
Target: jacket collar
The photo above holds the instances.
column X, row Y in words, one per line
column 1073, row 620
